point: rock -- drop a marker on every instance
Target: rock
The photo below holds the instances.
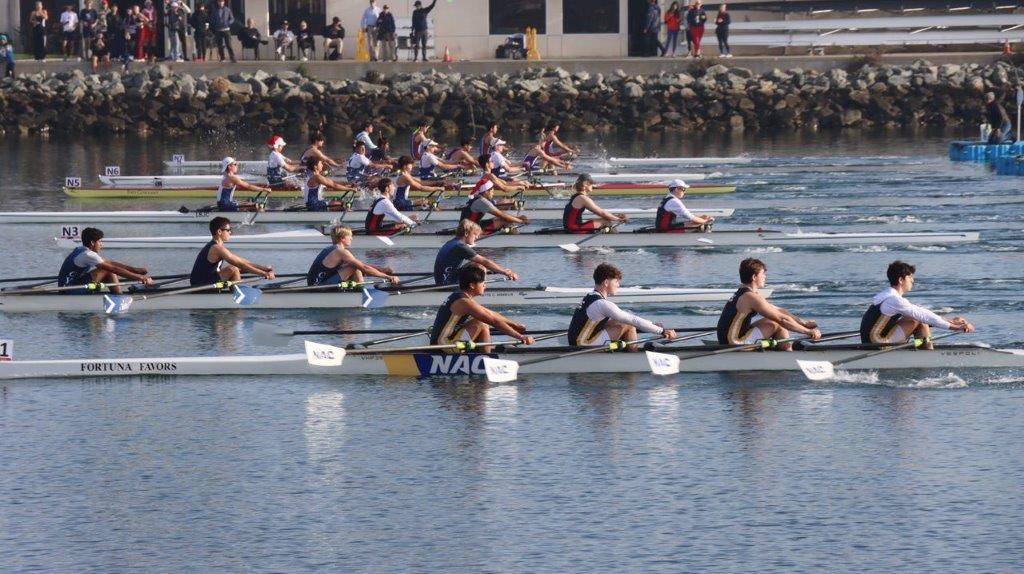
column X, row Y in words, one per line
column 851, row 117
column 631, row 90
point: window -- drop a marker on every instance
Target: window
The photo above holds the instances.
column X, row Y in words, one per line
column 314, row 12
column 514, row 16
column 590, row 17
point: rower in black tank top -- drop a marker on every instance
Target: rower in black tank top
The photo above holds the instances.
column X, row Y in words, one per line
column 447, row 325
column 204, row 272
column 731, row 324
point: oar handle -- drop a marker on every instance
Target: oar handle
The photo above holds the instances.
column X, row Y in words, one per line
column 609, row 347
column 217, row 285
column 913, row 342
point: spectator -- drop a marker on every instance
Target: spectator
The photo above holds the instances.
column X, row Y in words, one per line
column 103, row 20
column 419, row 27
column 132, row 24
column 386, row 35
column 369, row 26
column 147, row 34
column 68, row 31
column 201, row 31
column 652, row 25
column 100, row 52
column 114, row 29
column 87, row 19
column 305, row 41
column 38, row 19
column 696, row 17
column 686, row 28
column 221, row 21
column 673, row 17
column 7, row 56
column 283, row 40
column 251, row 38
column 177, row 13
column 334, row 37
column 995, row 114
column 722, row 21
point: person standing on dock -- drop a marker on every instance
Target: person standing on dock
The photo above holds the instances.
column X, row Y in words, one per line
column 335, row 263
column 216, row 262
column 722, row 21
column 736, row 325
column 221, row 21
column 598, row 321
column 419, row 28
column 369, row 25
column 891, row 319
column 652, row 26
column 461, row 318
column 458, row 252
column 995, row 114
column 696, row 17
column 84, row 265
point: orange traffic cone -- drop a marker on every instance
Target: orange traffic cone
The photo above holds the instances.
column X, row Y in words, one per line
column 1006, row 48
column 447, row 56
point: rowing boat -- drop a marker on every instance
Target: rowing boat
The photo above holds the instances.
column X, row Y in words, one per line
column 282, row 216
column 677, row 160
column 211, row 180
column 546, row 190
column 314, row 239
column 412, row 364
column 259, row 164
column 537, row 296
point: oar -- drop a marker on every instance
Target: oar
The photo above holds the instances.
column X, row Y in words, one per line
column 271, row 335
column 113, row 303
column 575, row 247
column 321, row 355
column 821, row 370
column 51, row 278
column 505, row 370
column 89, row 286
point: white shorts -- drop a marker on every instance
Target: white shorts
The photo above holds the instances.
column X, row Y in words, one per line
column 895, row 336
column 752, row 337
column 601, row 339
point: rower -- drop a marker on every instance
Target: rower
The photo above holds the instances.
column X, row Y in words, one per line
column 419, row 135
column 315, row 184
column 382, row 208
column 461, row 318
column 462, row 156
column 359, row 165
column 501, row 167
column 229, row 183
column 480, row 204
column 406, row 182
column 364, row 136
column 458, row 252
column 277, row 164
column 580, row 202
column 891, row 319
column 336, row 264
column 429, row 162
column 316, row 149
column 383, row 153
column 673, row 217
column 554, row 146
column 84, row 266
column 487, row 140
column 735, row 326
column 536, row 159
column 488, row 181
column 216, row 262
column 598, row 321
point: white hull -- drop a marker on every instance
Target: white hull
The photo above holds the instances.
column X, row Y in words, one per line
column 215, row 179
column 325, row 299
column 426, row 364
column 215, row 164
column 678, row 160
column 355, row 217
column 313, row 239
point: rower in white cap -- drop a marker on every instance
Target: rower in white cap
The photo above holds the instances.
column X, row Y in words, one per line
column 501, row 167
column 673, row 217
column 229, row 183
column 429, row 161
column 278, row 165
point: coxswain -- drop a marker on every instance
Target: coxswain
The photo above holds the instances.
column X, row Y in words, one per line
column 536, row 159
column 487, row 140
column 501, row 167
column 461, row 318
column 430, row 162
column 672, row 215
column 316, row 149
column 891, row 319
column 216, row 262
column 360, row 167
column 481, row 204
column 458, row 252
column 736, row 325
column 462, row 156
column 580, row 202
column 315, row 185
column 489, row 181
column 598, row 321
column 383, row 208
column 84, row 265
column 278, row 166
column 335, row 263
column 418, row 137
column 554, row 146
column 229, row 183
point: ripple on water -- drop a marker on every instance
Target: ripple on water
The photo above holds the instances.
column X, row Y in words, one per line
column 771, row 249
column 927, row 248
column 947, row 381
column 867, row 249
column 888, row 219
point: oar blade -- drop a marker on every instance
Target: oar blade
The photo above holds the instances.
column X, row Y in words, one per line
column 570, row 247
column 501, row 370
column 662, row 363
column 817, row 370
column 385, row 240
column 374, row 298
column 705, row 241
column 246, row 295
column 115, row 304
column 320, row 355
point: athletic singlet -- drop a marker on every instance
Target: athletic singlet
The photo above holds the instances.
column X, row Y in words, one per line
column 448, row 154
column 275, row 168
column 582, row 330
column 315, row 198
column 549, row 147
column 473, row 215
column 427, row 166
column 226, row 199
column 447, row 325
column 71, row 274
column 665, row 220
column 531, row 162
column 356, row 167
column 320, row 274
column 402, row 200
column 414, row 148
column 485, row 144
column 305, row 156
column 483, row 184
column 732, row 326
column 204, row 272
column 876, row 327
column 572, row 217
column 499, row 168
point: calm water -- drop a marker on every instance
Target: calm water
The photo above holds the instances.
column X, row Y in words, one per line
column 917, row 471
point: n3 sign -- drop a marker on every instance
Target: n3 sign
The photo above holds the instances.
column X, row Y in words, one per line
column 6, row 350
column 70, row 232
column 112, row 171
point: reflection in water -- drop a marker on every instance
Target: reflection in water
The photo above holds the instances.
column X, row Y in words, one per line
column 663, row 417
column 501, row 400
column 324, row 429
column 816, row 404
column 604, row 397
column 222, row 330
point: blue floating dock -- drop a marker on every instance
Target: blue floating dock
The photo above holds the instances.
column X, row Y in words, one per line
column 966, row 150
column 1010, row 165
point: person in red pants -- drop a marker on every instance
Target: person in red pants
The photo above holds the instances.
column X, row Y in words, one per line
column 696, row 17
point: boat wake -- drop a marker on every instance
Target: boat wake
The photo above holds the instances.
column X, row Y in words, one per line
column 947, row 381
column 889, row 219
column 927, row 248
column 867, row 249
column 856, row 378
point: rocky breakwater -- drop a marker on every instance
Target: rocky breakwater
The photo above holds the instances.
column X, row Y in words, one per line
column 711, row 96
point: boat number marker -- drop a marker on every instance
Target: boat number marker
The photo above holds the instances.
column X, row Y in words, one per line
column 178, row 158
column 6, row 350
column 112, row 171
column 70, row 232
column 73, row 182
